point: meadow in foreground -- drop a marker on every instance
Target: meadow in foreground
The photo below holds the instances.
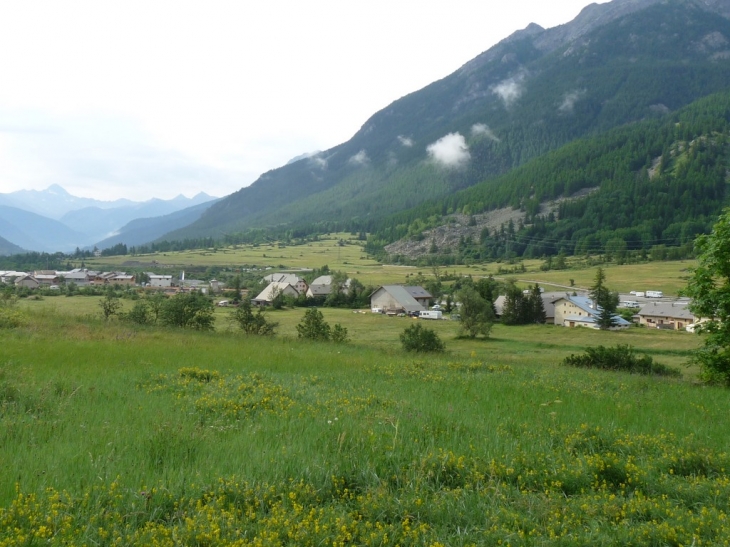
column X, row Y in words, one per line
column 117, row 436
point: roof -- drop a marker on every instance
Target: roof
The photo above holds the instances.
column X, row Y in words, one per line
column 288, row 278
column 319, row 290
column 404, row 297
column 418, row 292
column 323, row 280
column 269, row 293
column 677, row 310
column 586, row 304
column 160, row 276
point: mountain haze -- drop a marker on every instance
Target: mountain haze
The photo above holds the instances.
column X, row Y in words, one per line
column 537, row 90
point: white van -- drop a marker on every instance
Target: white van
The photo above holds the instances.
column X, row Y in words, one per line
column 430, row 315
column 654, row 294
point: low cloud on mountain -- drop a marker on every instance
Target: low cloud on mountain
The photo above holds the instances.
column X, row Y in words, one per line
column 450, row 150
column 569, row 100
column 482, row 130
column 361, row 158
column 509, row 90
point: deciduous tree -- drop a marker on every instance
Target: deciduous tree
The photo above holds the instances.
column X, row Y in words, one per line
column 709, row 288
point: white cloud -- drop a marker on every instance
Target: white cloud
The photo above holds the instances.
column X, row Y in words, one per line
column 450, row 150
column 361, row 158
column 569, row 100
column 483, row 130
column 405, row 141
column 318, row 161
column 509, row 90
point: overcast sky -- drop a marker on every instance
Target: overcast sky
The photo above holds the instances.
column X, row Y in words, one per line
column 153, row 99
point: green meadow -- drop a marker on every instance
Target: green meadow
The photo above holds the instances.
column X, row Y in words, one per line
column 343, row 252
column 113, row 435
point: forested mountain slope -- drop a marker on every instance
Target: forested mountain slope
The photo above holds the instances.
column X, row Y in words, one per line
column 534, row 92
column 656, row 182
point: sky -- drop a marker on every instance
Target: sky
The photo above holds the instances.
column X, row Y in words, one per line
column 143, row 99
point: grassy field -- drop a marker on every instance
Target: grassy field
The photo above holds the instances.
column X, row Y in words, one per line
column 119, row 436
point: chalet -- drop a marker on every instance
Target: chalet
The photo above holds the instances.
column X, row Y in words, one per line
column 27, row 282
column 666, row 315
column 272, row 290
column 79, row 276
column 47, row 279
column 122, row 279
column 399, row 298
column 579, row 311
column 103, row 278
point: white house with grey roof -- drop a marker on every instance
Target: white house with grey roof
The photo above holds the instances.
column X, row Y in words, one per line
column 273, row 290
column 288, row 278
column 399, row 298
column 579, row 311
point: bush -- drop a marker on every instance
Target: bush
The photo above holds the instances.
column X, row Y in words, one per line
column 420, row 339
column 139, row 314
column 620, row 358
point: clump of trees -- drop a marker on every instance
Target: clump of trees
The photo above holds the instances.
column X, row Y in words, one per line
column 191, row 310
column 314, row 327
column 521, row 308
column 420, row 339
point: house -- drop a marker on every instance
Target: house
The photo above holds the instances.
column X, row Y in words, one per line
column 160, row 281
column 47, row 279
column 398, row 298
column 27, row 282
column 323, row 286
column 666, row 315
column 288, row 278
column 122, row 279
column 271, row 291
column 79, row 276
column 103, row 278
column 9, row 276
column 579, row 311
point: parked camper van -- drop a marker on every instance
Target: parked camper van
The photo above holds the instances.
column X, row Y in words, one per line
column 654, row 294
column 430, row 315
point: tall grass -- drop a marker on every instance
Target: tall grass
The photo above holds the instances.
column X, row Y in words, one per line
column 148, row 435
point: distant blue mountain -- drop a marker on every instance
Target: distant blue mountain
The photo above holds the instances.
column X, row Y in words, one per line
column 37, row 233
column 145, row 230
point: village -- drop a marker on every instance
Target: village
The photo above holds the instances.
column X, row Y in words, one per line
column 571, row 309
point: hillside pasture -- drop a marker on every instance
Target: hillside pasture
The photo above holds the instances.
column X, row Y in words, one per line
column 116, row 435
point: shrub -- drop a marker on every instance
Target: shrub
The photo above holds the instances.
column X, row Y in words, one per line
column 420, row 339
column 313, row 326
column 620, row 358
column 252, row 323
column 339, row 333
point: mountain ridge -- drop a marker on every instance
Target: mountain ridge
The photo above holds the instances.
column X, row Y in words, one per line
column 534, row 91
